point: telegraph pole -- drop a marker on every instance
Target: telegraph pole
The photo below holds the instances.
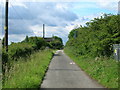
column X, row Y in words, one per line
column 43, row 31
column 6, row 26
column 119, row 8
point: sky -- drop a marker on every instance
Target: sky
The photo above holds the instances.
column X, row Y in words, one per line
column 59, row 16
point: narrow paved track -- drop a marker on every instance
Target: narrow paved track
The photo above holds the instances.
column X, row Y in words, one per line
column 64, row 73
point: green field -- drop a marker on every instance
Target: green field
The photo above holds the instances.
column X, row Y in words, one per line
column 30, row 72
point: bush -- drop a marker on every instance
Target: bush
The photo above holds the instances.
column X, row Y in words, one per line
column 23, row 48
column 96, row 38
column 57, row 43
column 38, row 42
column 17, row 50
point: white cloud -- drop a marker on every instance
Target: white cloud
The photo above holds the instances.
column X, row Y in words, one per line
column 61, row 1
column 50, row 31
column 58, row 17
column 16, row 38
column 55, row 21
column 108, row 5
column 62, row 6
column 37, row 30
column 65, row 0
column 20, row 4
column 87, row 5
column 14, row 3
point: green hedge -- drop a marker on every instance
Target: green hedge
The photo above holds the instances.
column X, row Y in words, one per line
column 22, row 49
column 96, row 38
column 19, row 49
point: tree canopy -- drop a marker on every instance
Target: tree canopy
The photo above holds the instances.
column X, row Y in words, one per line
column 97, row 37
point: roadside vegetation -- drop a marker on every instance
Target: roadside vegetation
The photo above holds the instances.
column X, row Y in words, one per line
column 57, row 43
column 91, row 47
column 25, row 63
column 28, row 73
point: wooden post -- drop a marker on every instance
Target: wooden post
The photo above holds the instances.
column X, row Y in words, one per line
column 6, row 26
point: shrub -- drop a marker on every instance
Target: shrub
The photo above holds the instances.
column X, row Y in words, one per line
column 96, row 38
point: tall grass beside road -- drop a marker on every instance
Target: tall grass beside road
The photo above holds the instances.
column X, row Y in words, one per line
column 28, row 73
column 102, row 69
column 91, row 47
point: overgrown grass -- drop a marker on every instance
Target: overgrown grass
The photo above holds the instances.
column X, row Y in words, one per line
column 28, row 73
column 104, row 70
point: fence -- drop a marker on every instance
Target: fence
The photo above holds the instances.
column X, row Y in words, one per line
column 116, row 48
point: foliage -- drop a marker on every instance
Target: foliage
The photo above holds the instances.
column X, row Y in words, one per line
column 37, row 41
column 56, row 43
column 28, row 73
column 20, row 58
column 97, row 37
column 23, row 48
column 102, row 69
column 17, row 50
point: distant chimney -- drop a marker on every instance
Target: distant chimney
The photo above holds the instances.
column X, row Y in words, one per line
column 43, row 30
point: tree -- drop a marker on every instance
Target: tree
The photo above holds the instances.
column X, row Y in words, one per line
column 57, row 43
column 26, row 39
column 96, row 38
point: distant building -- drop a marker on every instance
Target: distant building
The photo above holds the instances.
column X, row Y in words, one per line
column 49, row 39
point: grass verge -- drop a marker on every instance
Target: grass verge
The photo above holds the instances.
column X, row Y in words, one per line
column 104, row 70
column 28, row 73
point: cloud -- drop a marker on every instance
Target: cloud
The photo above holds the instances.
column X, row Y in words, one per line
column 63, row 0
column 50, row 31
column 62, row 31
column 19, row 22
column 20, row 4
column 19, row 27
column 108, row 5
column 26, row 18
column 28, row 21
column 16, row 38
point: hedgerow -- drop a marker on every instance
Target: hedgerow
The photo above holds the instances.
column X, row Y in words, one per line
column 22, row 49
column 91, row 47
column 96, row 38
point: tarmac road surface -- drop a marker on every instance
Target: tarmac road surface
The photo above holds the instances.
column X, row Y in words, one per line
column 64, row 73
